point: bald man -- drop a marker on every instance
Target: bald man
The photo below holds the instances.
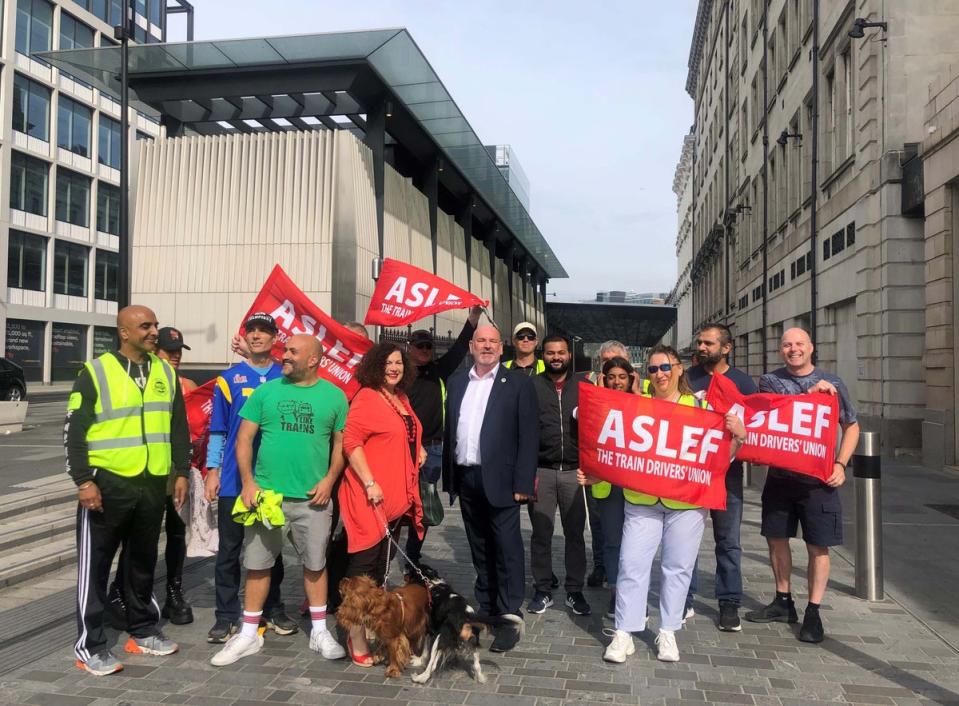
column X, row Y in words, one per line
column 791, row 499
column 126, row 430
column 299, row 418
column 490, row 451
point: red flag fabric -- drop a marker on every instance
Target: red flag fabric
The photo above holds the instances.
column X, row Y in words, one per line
column 199, row 407
column 792, row 432
column 405, row 294
column 661, row 448
column 295, row 313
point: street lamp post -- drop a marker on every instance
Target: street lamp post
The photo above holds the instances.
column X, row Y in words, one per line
column 122, row 33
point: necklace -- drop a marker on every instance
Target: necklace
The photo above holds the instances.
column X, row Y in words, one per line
column 140, row 379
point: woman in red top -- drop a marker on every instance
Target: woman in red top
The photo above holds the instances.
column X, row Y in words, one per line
column 382, row 442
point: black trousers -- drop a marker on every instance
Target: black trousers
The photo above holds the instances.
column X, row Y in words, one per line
column 373, row 561
column 227, row 572
column 175, row 552
column 132, row 514
column 496, row 545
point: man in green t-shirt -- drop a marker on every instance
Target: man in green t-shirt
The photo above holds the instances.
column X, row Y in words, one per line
column 300, row 418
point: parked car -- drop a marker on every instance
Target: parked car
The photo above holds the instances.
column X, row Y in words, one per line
column 13, row 386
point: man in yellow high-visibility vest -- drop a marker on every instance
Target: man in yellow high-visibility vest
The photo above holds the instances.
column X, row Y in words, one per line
column 125, row 432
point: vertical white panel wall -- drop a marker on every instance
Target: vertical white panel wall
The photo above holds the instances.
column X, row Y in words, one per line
column 214, row 214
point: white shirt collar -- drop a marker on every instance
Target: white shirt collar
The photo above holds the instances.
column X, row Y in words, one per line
column 490, row 374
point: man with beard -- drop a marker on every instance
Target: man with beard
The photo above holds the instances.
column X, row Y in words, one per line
column 557, row 393
column 713, row 345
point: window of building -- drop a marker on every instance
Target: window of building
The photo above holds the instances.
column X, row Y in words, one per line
column 744, row 42
column 792, row 270
column 34, row 26
column 73, row 197
column 106, row 267
column 109, row 152
column 110, row 11
column 26, row 261
column 838, row 242
column 851, row 234
column 108, row 208
column 845, row 62
column 825, row 249
column 809, row 256
column 73, row 33
column 829, row 124
column 144, row 136
column 68, row 350
column 156, row 12
column 28, row 183
column 70, row 268
column 73, row 126
column 31, row 108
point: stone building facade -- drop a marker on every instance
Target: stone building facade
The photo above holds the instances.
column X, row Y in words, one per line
column 856, row 274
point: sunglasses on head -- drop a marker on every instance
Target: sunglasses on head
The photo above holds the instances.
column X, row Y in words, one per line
column 424, row 346
column 665, row 367
column 526, row 337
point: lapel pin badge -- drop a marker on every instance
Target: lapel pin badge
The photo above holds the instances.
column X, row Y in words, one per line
column 502, row 379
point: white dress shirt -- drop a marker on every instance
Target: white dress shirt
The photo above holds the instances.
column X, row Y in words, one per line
column 472, row 412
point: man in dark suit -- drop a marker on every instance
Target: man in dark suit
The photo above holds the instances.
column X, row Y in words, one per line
column 490, row 450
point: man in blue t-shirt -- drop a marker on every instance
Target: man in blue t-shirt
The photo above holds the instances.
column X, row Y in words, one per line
column 714, row 343
column 791, row 499
column 233, row 388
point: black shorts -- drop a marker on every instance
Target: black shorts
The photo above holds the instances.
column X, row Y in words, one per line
column 789, row 502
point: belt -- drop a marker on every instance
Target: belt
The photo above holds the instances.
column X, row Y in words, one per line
column 432, row 441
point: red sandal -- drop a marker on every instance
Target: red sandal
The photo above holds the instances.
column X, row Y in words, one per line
column 365, row 661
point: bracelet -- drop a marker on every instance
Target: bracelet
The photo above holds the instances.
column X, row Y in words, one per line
column 370, row 484
column 840, row 463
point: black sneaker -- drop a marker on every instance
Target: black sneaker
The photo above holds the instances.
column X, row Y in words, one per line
column 281, row 623
column 221, row 631
column 508, row 633
column 776, row 612
column 554, row 582
column 811, row 630
column 540, row 602
column 116, row 609
column 611, row 608
column 729, row 617
column 597, row 578
column 576, row 602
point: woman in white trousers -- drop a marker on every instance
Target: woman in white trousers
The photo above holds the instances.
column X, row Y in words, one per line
column 650, row 522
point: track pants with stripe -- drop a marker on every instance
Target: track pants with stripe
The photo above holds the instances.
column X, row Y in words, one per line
column 132, row 514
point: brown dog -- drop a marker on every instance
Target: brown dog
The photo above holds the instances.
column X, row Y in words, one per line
column 396, row 619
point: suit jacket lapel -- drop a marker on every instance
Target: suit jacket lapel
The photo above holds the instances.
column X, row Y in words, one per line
column 499, row 382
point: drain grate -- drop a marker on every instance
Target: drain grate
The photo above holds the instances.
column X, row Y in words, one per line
column 951, row 510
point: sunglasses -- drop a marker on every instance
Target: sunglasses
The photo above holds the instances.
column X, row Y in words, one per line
column 423, row 346
column 526, row 337
column 665, row 367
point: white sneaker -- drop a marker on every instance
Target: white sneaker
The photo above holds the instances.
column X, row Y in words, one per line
column 325, row 644
column 620, row 648
column 689, row 614
column 237, row 647
column 668, row 650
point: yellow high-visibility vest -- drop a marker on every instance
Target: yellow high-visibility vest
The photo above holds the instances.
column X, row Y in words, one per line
column 538, row 369
column 131, row 430
column 602, row 489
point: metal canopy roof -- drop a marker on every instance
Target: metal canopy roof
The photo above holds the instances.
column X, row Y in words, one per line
column 641, row 325
column 318, row 81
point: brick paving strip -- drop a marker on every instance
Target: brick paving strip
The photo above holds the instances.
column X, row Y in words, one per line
column 875, row 653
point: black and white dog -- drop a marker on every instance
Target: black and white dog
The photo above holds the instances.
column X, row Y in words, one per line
column 455, row 628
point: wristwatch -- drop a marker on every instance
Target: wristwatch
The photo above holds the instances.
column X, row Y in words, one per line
column 369, row 485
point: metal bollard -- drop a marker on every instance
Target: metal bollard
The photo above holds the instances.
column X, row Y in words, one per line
column 867, row 470
column 747, row 474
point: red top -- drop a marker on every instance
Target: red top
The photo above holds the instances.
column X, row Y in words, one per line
column 375, row 425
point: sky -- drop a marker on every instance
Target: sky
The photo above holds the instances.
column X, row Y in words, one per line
column 591, row 96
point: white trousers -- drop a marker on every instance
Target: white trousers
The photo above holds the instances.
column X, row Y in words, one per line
column 645, row 528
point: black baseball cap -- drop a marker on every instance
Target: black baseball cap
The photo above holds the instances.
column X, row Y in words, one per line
column 262, row 320
column 170, row 339
column 421, row 336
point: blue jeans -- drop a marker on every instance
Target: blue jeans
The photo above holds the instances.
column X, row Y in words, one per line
column 729, row 550
column 431, row 471
column 611, row 516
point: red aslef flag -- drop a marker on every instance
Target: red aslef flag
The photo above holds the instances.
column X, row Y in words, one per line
column 652, row 446
column 793, row 432
column 405, row 294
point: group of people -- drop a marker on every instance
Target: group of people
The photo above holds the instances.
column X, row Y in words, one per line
column 290, row 458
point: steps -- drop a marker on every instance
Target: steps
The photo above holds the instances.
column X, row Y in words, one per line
column 37, row 528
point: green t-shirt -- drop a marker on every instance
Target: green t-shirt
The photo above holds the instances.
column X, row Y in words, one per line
column 296, row 424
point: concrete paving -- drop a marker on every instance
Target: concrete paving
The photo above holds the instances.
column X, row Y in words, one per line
column 898, row 651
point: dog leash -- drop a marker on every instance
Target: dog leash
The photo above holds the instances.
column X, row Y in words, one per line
column 399, row 549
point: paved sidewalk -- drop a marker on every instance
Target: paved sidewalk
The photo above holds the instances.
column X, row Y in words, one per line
column 881, row 653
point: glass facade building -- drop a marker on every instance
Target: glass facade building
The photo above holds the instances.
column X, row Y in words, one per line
column 59, row 163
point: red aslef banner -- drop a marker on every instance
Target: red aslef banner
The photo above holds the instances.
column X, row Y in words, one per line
column 405, row 294
column 199, row 407
column 661, row 448
column 295, row 314
column 792, row 432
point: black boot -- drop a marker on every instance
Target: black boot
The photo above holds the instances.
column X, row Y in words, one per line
column 176, row 609
column 116, row 609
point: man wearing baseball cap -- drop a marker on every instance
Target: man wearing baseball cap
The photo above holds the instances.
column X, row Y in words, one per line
column 233, row 387
column 525, row 338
